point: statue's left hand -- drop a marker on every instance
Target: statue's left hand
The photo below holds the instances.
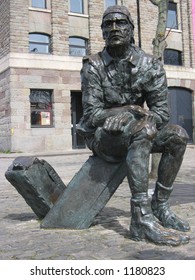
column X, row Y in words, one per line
column 115, row 124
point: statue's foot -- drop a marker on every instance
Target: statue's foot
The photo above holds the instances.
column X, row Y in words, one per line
column 148, row 229
column 167, row 218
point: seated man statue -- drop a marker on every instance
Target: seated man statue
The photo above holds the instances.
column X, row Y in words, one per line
column 116, row 83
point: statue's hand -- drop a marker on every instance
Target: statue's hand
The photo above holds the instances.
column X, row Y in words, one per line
column 137, row 110
column 115, row 124
column 141, row 112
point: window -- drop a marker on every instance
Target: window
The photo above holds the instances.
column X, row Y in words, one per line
column 110, row 3
column 39, row 43
column 172, row 57
column 41, row 108
column 172, row 16
column 76, row 6
column 39, row 4
column 77, row 46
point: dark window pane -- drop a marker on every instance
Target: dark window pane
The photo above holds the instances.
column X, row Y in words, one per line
column 76, row 6
column 40, row 118
column 41, row 107
column 35, row 118
column 39, row 4
column 172, row 16
column 110, row 3
column 172, row 57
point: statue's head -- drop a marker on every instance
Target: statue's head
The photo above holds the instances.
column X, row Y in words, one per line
column 117, row 26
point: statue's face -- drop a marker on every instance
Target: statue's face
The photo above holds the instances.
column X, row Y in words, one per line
column 116, row 30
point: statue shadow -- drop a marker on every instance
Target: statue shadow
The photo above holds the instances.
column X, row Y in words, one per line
column 182, row 194
column 21, row 217
column 108, row 218
column 158, row 254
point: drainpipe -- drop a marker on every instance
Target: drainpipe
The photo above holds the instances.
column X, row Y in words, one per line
column 138, row 24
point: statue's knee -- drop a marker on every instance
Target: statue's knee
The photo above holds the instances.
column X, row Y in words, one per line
column 179, row 134
column 147, row 131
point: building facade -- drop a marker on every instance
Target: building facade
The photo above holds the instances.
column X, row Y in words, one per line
column 42, row 43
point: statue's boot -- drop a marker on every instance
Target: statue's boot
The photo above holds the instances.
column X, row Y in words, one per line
column 162, row 211
column 145, row 227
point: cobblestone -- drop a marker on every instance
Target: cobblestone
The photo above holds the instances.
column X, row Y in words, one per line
column 108, row 237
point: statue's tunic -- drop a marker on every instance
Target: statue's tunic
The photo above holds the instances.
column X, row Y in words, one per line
column 108, row 83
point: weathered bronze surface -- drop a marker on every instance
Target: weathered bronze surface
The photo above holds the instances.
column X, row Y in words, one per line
column 37, row 182
column 116, row 83
column 86, row 194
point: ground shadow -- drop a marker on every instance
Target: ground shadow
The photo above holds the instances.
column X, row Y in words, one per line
column 157, row 254
column 182, row 194
column 21, row 217
column 107, row 218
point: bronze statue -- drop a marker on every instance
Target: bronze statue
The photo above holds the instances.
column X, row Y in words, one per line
column 116, row 83
column 121, row 133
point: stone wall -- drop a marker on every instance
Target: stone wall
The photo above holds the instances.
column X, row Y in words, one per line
column 60, row 32
column 186, row 27
column 19, row 26
column 56, row 138
column 5, row 112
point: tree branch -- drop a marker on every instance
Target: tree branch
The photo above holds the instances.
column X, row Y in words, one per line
column 155, row 2
column 159, row 43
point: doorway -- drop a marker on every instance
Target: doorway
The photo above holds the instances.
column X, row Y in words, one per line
column 180, row 102
column 76, row 114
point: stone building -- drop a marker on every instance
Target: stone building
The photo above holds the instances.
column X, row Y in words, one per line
column 41, row 47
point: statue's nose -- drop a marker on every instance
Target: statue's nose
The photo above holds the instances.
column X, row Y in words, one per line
column 114, row 27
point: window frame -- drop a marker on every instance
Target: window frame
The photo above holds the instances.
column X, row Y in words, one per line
column 81, row 7
column 41, row 110
column 174, row 51
column 85, row 47
column 44, row 6
column 40, row 43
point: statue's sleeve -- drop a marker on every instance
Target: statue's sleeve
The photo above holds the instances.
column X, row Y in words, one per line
column 156, row 93
column 92, row 94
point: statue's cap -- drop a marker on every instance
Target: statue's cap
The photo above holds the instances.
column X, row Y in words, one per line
column 118, row 9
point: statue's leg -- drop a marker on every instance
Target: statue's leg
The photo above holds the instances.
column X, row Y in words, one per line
column 144, row 225
column 173, row 141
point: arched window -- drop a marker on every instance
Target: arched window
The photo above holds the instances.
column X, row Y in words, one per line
column 172, row 57
column 77, row 46
column 39, row 43
column 180, row 102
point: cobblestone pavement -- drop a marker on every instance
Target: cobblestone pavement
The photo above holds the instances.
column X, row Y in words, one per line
column 107, row 239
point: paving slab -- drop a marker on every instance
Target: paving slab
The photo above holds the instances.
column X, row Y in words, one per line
column 108, row 237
